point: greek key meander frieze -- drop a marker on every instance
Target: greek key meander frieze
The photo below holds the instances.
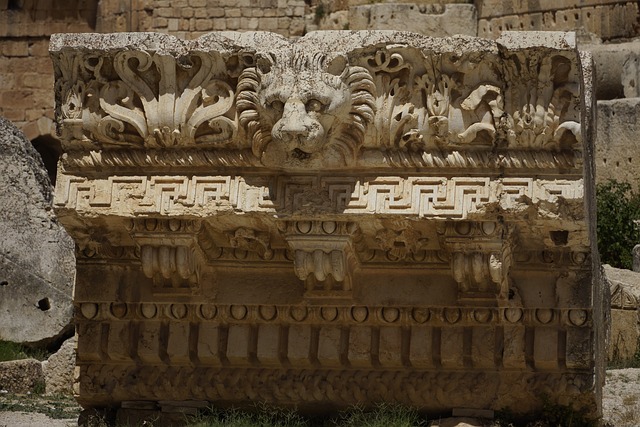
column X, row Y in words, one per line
column 439, row 197
column 317, row 102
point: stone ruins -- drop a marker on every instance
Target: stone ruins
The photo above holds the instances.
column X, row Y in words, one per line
column 346, row 218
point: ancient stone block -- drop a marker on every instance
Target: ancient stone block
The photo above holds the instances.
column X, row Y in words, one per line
column 351, row 217
column 624, row 286
column 59, row 367
column 21, row 376
column 36, row 254
column 430, row 19
column 617, row 66
column 609, row 19
column 617, row 140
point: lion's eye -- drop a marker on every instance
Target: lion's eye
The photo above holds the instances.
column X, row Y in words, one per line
column 277, row 105
column 313, row 105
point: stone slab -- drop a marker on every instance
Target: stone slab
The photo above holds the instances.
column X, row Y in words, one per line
column 37, row 261
column 433, row 20
column 617, row 140
column 349, row 217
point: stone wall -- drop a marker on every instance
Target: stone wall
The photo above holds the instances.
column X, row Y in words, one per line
column 26, row 72
column 610, row 19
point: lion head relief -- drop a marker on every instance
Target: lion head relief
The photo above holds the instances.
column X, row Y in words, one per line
column 305, row 111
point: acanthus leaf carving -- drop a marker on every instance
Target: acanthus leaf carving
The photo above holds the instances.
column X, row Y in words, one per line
column 144, row 99
column 541, row 116
column 300, row 107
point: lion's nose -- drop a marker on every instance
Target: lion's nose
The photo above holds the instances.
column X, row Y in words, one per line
column 294, row 124
column 295, row 130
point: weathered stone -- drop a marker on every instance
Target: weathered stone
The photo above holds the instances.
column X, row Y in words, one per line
column 635, row 253
column 36, row 254
column 617, row 68
column 351, row 217
column 458, row 422
column 631, row 74
column 59, row 367
column 430, row 19
column 624, row 286
column 617, row 141
column 21, row 376
column 610, row 20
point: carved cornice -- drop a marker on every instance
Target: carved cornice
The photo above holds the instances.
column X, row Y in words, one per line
column 339, row 99
column 336, row 314
column 335, row 387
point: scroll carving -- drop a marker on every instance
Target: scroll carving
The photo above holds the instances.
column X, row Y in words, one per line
column 306, row 106
column 481, row 257
column 143, row 99
column 324, row 255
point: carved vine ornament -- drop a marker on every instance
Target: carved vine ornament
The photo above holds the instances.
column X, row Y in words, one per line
column 318, row 102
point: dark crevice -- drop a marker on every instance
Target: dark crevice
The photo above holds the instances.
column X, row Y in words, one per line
column 14, row 5
column 50, row 151
column 44, row 304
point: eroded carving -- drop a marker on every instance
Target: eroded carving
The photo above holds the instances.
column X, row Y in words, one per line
column 145, row 99
column 311, row 106
column 347, row 217
column 168, row 252
column 481, row 256
column 324, row 255
column 305, row 110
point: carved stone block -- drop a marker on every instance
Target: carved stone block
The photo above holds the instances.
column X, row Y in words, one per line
column 350, row 217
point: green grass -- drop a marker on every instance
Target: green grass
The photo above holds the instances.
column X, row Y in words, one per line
column 383, row 415
column 14, row 351
column 54, row 406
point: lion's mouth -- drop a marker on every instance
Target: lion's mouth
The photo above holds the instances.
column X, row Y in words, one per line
column 300, row 155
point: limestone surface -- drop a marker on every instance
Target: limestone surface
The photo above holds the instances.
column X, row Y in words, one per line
column 617, row 140
column 624, row 286
column 346, row 218
column 21, row 376
column 37, row 262
column 59, row 367
column 430, row 19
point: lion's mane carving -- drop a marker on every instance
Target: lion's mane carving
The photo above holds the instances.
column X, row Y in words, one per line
column 305, row 110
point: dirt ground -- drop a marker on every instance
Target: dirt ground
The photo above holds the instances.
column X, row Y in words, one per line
column 621, row 405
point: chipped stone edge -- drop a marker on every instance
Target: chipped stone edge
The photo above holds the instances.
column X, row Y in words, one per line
column 335, row 40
